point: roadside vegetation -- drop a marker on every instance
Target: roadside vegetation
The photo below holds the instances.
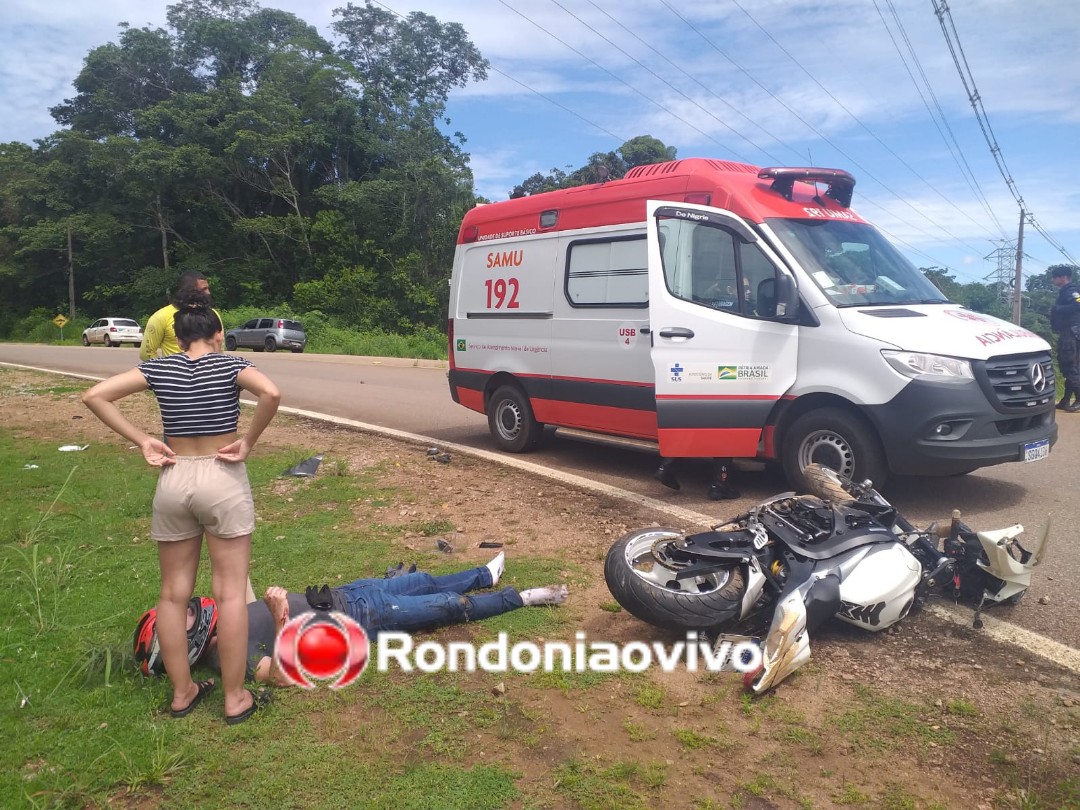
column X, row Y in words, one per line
column 325, row 335
column 84, row 730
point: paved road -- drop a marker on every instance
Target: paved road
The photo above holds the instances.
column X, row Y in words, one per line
column 413, row 396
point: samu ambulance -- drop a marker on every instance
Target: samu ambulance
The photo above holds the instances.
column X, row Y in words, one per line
column 719, row 309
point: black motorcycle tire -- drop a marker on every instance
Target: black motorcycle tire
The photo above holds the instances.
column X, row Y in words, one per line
column 827, row 484
column 666, row 607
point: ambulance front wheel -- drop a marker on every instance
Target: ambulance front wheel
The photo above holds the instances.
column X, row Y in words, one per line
column 511, row 420
column 834, row 438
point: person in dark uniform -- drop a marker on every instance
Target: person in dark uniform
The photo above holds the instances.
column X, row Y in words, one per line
column 719, row 490
column 1065, row 321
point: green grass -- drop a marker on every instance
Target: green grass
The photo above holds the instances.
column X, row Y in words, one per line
column 620, row 786
column 77, row 568
column 961, row 708
column 695, row 740
column 878, row 723
column 637, row 732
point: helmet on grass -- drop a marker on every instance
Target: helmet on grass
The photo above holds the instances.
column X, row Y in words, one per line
column 148, row 651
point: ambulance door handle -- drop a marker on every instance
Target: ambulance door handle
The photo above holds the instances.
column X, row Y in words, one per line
column 676, row 332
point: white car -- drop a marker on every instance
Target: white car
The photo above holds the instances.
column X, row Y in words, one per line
column 113, row 332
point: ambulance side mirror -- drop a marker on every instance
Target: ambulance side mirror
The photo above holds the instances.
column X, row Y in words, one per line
column 787, row 299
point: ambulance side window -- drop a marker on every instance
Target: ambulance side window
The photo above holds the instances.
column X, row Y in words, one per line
column 607, row 272
column 711, row 266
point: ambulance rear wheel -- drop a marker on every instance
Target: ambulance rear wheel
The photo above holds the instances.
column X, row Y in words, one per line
column 511, row 420
column 834, row 438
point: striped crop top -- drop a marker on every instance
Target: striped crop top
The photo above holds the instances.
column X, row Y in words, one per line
column 197, row 397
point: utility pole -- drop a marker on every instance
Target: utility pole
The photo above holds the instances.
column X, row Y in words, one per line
column 1018, row 279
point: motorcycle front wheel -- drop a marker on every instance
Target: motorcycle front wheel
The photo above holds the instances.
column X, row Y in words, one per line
column 827, row 484
column 641, row 576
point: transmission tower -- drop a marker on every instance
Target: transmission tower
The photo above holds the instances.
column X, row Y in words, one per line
column 1003, row 276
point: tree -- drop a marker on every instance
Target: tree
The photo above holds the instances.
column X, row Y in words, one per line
column 239, row 142
column 645, row 150
column 943, row 280
column 601, row 167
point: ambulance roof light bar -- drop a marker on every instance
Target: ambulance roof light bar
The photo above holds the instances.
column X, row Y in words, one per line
column 841, row 184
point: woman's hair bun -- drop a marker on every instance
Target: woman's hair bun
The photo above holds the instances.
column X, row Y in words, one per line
column 193, row 299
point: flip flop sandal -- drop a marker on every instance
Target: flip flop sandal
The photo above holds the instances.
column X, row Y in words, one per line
column 258, row 701
column 205, row 688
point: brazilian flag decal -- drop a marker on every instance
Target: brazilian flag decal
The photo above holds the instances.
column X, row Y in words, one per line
column 727, row 372
column 461, row 344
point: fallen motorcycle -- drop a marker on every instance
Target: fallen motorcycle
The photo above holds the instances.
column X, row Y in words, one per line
column 779, row 570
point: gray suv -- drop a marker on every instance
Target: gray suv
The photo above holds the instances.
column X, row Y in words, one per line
column 267, row 334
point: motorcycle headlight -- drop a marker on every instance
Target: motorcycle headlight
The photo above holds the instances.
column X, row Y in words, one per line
column 929, row 367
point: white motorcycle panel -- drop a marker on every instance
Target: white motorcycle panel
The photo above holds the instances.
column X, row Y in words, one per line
column 1001, row 564
column 878, row 592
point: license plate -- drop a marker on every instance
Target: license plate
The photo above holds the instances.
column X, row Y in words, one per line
column 732, row 641
column 1036, row 451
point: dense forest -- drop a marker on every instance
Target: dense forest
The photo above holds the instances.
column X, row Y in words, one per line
column 298, row 173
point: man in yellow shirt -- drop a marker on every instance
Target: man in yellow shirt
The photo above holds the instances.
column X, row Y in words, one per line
column 159, row 336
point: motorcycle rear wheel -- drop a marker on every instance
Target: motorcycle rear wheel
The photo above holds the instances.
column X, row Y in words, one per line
column 642, row 580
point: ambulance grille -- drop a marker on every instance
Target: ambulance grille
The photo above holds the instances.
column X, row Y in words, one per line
column 1020, row 381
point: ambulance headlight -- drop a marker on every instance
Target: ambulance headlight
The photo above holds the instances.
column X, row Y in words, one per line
column 929, row 367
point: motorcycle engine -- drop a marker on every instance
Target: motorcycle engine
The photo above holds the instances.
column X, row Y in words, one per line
column 816, row 520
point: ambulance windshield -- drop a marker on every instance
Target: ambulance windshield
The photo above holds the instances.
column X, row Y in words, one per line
column 853, row 264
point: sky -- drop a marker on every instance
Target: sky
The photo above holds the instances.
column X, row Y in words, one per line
column 870, row 86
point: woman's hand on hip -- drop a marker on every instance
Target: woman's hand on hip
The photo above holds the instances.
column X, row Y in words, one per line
column 235, row 452
column 157, row 453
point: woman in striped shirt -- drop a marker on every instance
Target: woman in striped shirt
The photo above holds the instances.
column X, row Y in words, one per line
column 202, row 490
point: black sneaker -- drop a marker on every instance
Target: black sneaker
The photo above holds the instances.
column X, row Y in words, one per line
column 723, row 492
column 666, row 477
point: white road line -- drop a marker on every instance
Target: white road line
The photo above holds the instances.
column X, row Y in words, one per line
column 1060, row 654
column 1042, row 646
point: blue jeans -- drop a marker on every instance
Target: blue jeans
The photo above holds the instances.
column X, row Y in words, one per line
column 420, row 601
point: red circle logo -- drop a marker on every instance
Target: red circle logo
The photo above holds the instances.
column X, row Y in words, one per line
column 321, row 646
column 322, row 650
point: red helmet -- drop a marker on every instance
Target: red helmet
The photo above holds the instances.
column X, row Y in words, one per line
column 147, row 650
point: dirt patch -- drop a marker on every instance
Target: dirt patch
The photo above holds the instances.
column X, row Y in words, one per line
column 928, row 714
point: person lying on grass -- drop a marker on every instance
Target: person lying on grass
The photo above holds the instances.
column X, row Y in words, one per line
column 402, row 603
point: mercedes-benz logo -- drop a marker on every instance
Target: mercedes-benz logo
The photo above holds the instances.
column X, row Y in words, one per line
column 1038, row 378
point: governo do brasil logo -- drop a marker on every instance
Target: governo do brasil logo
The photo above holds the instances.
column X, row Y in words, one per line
column 322, row 646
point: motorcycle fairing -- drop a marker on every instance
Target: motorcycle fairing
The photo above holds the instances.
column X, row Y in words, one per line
column 787, row 646
column 878, row 589
column 1015, row 574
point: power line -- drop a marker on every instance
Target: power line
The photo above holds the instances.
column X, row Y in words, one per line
column 941, row 10
column 625, row 83
column 811, row 127
column 854, row 117
column 621, row 139
column 718, row 97
column 950, row 141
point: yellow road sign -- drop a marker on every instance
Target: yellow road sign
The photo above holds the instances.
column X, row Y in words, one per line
column 60, row 321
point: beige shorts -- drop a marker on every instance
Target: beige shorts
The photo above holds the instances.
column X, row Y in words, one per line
column 201, row 494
